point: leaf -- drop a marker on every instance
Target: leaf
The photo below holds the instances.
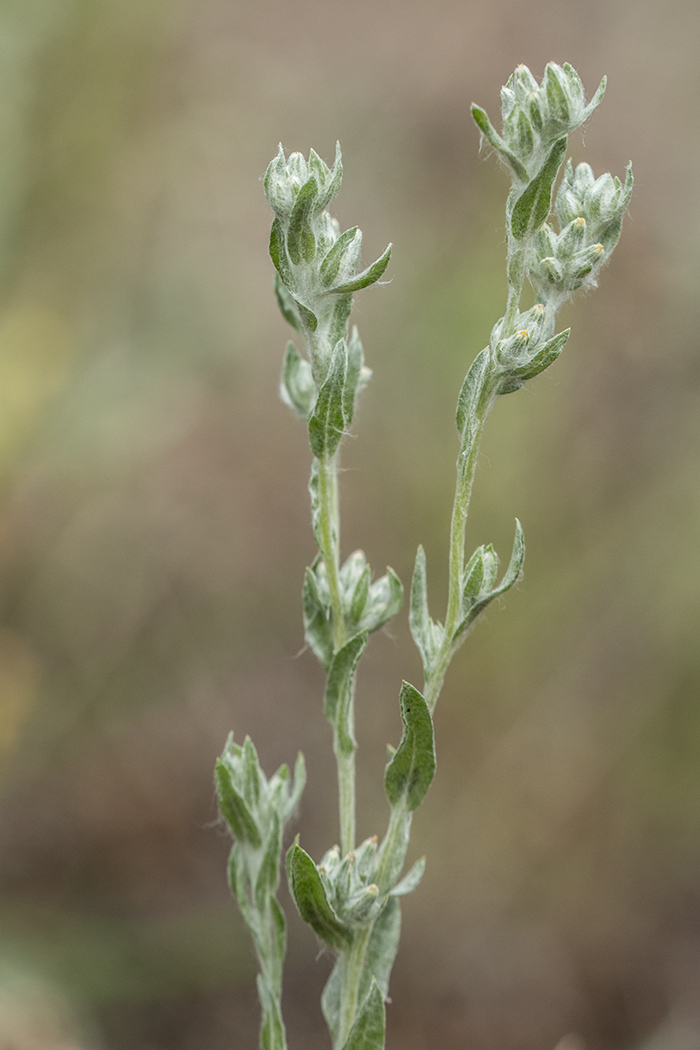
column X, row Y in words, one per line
column 333, row 185
column 307, row 889
column 330, row 999
column 354, row 378
column 268, row 875
column 512, row 575
column 327, row 423
column 287, row 304
column 369, row 1030
column 535, row 202
column 382, row 947
column 596, row 100
column 341, row 677
column 301, row 242
column 297, row 386
column 367, row 277
column 411, row 770
column 427, row 635
column 234, row 809
column 494, row 139
column 410, row 880
column 546, row 356
column 343, row 247
column 318, row 625
column 471, row 391
column 517, row 558
column 385, row 600
column 278, row 252
column 556, row 94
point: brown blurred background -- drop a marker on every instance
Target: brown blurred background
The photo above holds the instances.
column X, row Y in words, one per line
column 154, row 522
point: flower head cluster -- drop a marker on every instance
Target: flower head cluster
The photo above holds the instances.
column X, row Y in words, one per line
column 536, row 116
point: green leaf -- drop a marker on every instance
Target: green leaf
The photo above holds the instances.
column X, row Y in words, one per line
column 556, row 95
column 234, row 809
column 330, row 999
column 471, row 391
column 253, row 773
column 364, row 279
column 327, row 422
column 278, row 252
column 596, row 100
column 535, row 202
column 341, row 677
column 287, row 304
column 333, row 184
column 494, row 139
column 517, row 558
column 412, row 768
column 369, row 1030
column 385, row 600
column 357, row 375
column 512, row 575
column 297, row 386
column 308, row 317
column 307, row 889
column 410, row 880
column 517, row 375
column 343, row 246
column 427, row 635
column 268, row 875
column 301, row 242
column 318, row 624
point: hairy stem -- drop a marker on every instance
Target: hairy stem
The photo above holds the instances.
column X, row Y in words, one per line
column 353, row 967
column 329, row 541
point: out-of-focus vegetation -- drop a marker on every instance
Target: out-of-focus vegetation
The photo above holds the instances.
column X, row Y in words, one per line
column 154, row 526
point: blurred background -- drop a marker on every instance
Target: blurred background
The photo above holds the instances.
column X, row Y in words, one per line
column 154, row 522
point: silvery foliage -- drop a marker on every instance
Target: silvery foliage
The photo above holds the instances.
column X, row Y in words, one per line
column 351, row 897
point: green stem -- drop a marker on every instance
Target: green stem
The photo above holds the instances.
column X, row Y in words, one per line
column 346, row 795
column 353, row 968
column 466, row 470
column 330, row 541
column 329, row 536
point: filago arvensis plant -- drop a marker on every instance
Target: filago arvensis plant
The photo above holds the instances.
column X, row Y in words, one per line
column 351, row 897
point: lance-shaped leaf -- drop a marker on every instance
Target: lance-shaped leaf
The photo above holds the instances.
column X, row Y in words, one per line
column 318, row 623
column 287, row 304
column 297, row 386
column 278, row 253
column 494, row 139
column 357, row 376
column 233, row 808
column 410, row 880
column 369, row 1030
column 341, row 678
column 535, row 202
column 427, row 635
column 309, row 894
column 332, row 185
column 268, row 873
column 367, row 277
column 412, row 767
column 301, row 242
column 327, row 423
column 471, row 391
column 345, row 250
column 384, row 601
column 512, row 575
column 517, row 375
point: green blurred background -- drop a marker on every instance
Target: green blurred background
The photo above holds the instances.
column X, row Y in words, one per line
column 154, row 521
